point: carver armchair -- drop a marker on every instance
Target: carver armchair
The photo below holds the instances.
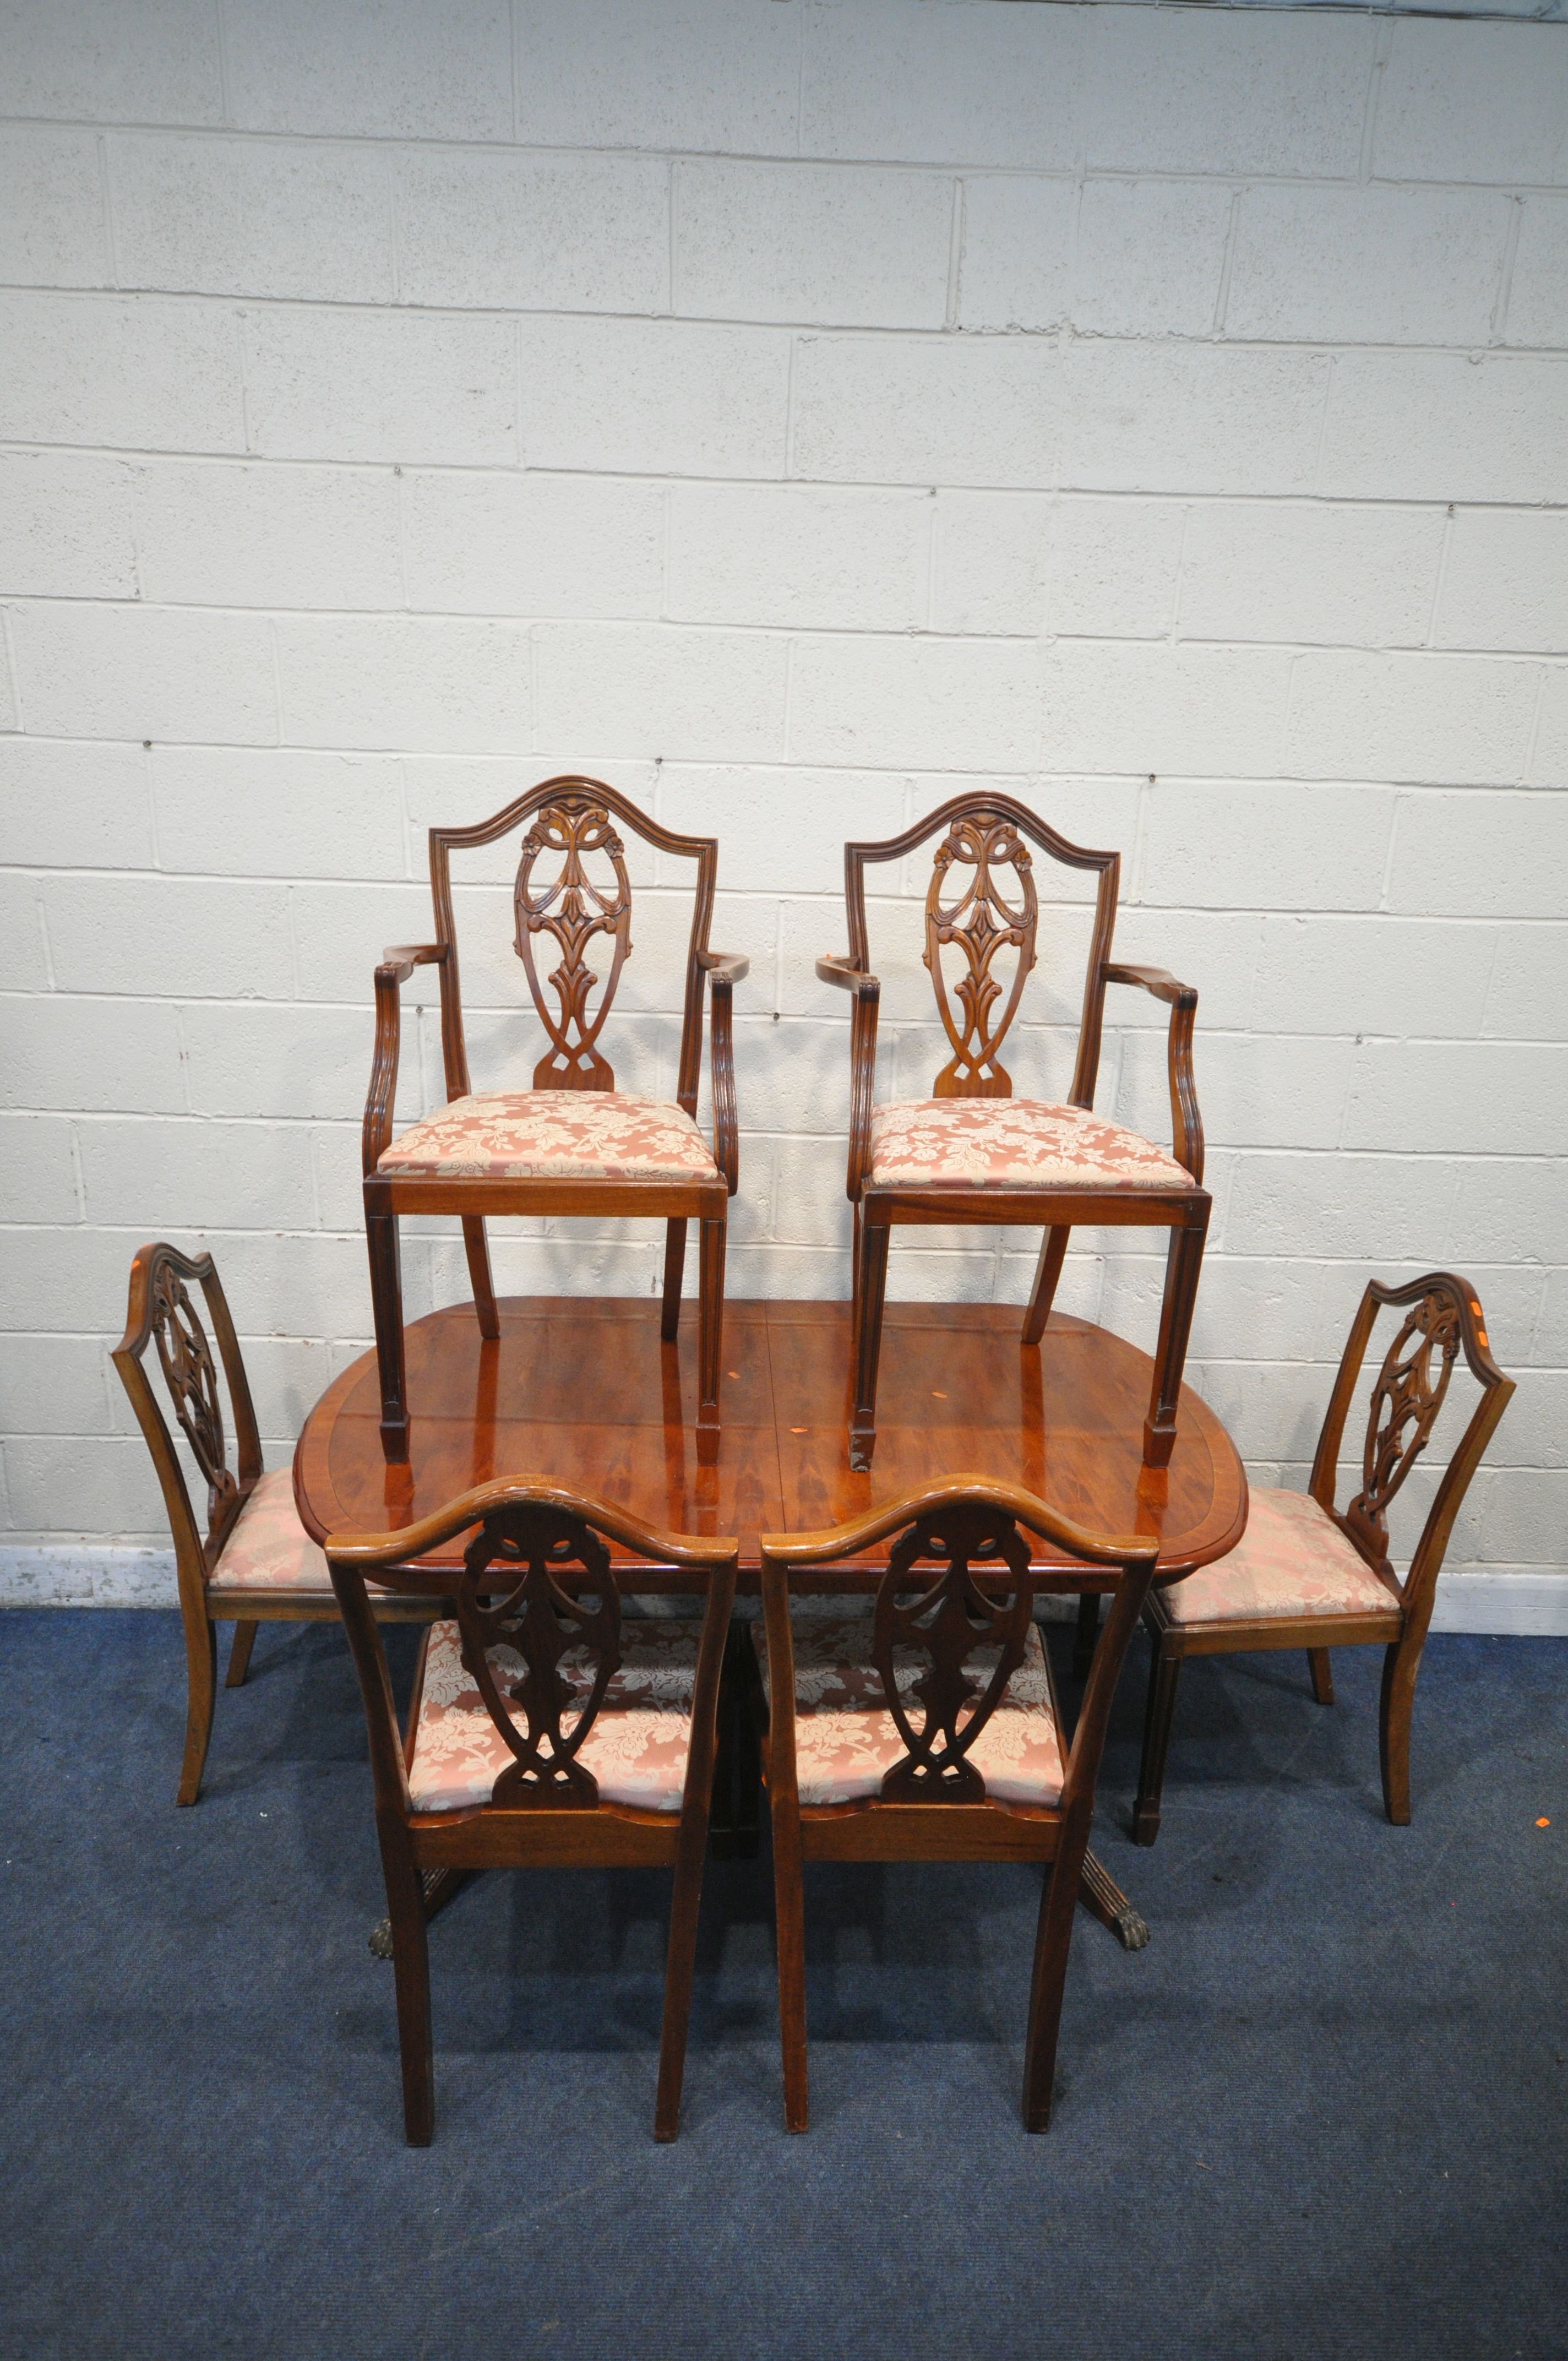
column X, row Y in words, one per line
column 973, row 1153
column 929, row 1729
column 1307, row 1574
column 544, row 1730
column 573, row 1144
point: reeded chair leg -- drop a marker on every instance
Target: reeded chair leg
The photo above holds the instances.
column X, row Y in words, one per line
column 1165, row 1671
column 1323, row 1673
column 675, row 1271
column 1184, row 1260
column 201, row 1689
column 1047, row 1271
column 1400, row 1666
column 240, row 1647
column 478, row 1253
column 387, row 1307
column 875, row 1239
column 710, row 1339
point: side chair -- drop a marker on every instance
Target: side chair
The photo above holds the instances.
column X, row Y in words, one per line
column 971, row 1152
column 929, row 1729
column 1307, row 1575
column 544, row 1731
column 255, row 1563
column 573, row 1144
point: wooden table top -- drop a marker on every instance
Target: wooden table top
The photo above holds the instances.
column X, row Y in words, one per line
column 583, row 1391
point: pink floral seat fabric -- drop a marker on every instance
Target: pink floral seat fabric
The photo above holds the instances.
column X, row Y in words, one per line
column 1292, row 1560
column 268, row 1548
column 846, row 1740
column 1012, row 1144
column 636, row 1748
column 553, row 1135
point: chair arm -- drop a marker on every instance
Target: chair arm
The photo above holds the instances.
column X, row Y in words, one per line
column 1186, row 1121
column 733, row 966
column 722, row 975
column 834, row 967
column 397, row 965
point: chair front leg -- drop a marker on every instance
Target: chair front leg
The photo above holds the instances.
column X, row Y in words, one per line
column 387, row 1309
column 1184, row 1260
column 1165, row 1671
column 875, row 1239
column 674, row 1268
column 201, row 1688
column 710, row 1338
column 240, row 1647
column 1322, row 1671
column 479, row 1279
column 1047, row 1271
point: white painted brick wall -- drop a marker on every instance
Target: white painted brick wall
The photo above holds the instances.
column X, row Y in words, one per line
column 795, row 411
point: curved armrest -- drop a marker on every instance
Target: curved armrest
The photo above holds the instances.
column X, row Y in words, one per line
column 1186, row 1123
column 396, row 966
column 835, row 967
column 729, row 967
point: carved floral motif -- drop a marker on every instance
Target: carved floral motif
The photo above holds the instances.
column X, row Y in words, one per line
column 193, row 1381
column 574, row 910
column 982, row 922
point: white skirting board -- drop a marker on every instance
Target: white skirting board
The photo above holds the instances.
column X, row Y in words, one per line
column 1507, row 1602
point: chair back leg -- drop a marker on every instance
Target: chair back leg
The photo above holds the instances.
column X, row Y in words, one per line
column 680, row 1967
column 478, row 1253
column 1053, row 1942
column 1165, row 1671
column 1323, row 1674
column 675, row 1271
column 1400, row 1666
column 201, row 1688
column 1047, row 1271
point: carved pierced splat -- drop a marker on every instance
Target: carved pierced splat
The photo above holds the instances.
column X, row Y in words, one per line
column 544, row 1623
column 193, row 1381
column 1404, row 1408
column 948, row 1623
column 982, row 922
column 573, row 909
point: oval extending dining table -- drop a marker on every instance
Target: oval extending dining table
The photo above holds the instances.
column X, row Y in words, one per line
column 585, row 1392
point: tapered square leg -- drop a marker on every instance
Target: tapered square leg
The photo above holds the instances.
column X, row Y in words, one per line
column 387, row 1307
column 1184, row 1260
column 875, row 1239
column 710, row 1340
column 1047, row 1271
column 240, row 1647
column 674, row 1268
column 478, row 1253
column 1165, row 1671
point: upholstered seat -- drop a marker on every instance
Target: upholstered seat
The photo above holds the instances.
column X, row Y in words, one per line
column 846, row 1740
column 1291, row 1560
column 554, row 1135
column 1011, row 1144
column 268, row 1548
column 636, row 1748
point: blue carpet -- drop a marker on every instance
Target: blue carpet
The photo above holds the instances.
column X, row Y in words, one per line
column 1323, row 2114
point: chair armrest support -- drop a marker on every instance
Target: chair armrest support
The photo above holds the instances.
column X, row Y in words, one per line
column 397, row 965
column 1186, row 1121
column 835, row 967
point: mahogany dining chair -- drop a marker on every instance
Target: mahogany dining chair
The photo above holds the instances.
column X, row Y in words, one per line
column 255, row 1562
column 1307, row 1575
column 546, row 1731
column 929, row 1729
